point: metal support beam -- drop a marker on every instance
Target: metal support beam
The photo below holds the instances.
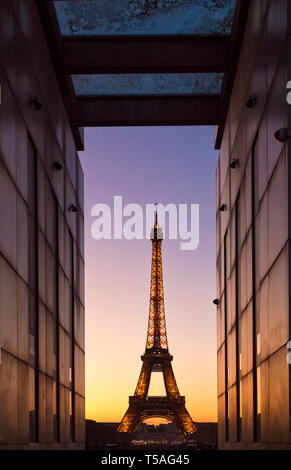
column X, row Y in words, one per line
column 147, row 111
column 82, row 55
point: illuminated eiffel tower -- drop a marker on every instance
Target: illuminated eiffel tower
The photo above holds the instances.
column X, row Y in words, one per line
column 157, row 359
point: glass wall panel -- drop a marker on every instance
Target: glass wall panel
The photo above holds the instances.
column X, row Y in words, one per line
column 50, row 217
column 265, row 397
column 220, row 324
column 248, row 194
column 51, row 345
column 278, row 303
column 232, row 414
column 221, row 418
column 259, row 405
column 79, row 371
column 246, row 341
column 263, row 312
column 22, row 238
column 31, row 405
column 41, row 267
column 279, row 397
column 42, row 338
column 278, row 209
column 8, row 303
column 261, row 162
column 247, row 434
column 55, row 416
column 242, row 278
column 32, row 329
column 242, row 214
column 221, row 370
column 231, row 358
column 249, row 267
column 64, row 301
column 261, row 241
column 51, row 293
column 8, row 245
column 65, row 357
column 22, row 320
column 231, row 307
column 8, row 398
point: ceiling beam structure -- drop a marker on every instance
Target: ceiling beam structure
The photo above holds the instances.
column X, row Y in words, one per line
column 77, row 55
column 165, row 54
column 147, row 110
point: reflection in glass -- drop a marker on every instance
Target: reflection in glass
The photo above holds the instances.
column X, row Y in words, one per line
column 240, row 411
column 259, row 405
column 148, row 84
column 258, row 390
column 71, row 416
column 145, row 17
column 31, row 405
column 55, row 430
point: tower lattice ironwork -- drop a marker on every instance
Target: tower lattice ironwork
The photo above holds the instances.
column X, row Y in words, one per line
column 157, row 359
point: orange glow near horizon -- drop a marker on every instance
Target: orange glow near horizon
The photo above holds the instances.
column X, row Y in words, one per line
column 113, row 351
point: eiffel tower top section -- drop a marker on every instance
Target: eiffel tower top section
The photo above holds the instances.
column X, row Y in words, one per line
column 156, row 335
column 157, row 231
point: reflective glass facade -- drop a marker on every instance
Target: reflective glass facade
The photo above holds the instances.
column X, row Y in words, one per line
column 41, row 250
column 253, row 252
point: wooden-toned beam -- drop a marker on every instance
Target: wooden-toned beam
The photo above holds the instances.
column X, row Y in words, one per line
column 82, row 55
column 147, row 111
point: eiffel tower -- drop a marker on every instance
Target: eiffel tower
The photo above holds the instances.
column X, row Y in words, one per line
column 157, row 359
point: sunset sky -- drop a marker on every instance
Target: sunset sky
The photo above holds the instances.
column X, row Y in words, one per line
column 145, row 165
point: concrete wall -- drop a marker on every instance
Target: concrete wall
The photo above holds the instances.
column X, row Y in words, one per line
column 41, row 247
column 253, row 317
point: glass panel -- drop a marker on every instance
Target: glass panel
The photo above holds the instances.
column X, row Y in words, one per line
column 259, row 407
column 240, row 411
column 247, row 431
column 258, row 390
column 71, row 416
column 145, row 17
column 148, row 84
column 231, row 358
column 55, row 421
column 31, row 405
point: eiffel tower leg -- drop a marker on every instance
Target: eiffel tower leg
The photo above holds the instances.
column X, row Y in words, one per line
column 170, row 381
column 130, row 420
column 184, row 421
column 143, row 383
column 132, row 416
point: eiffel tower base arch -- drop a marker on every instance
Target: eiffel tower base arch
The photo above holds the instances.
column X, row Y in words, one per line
column 161, row 407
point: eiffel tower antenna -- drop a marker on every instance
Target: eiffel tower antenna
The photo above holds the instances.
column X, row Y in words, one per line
column 157, row 359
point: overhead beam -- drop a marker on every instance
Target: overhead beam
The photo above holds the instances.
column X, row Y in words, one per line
column 147, row 111
column 88, row 55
